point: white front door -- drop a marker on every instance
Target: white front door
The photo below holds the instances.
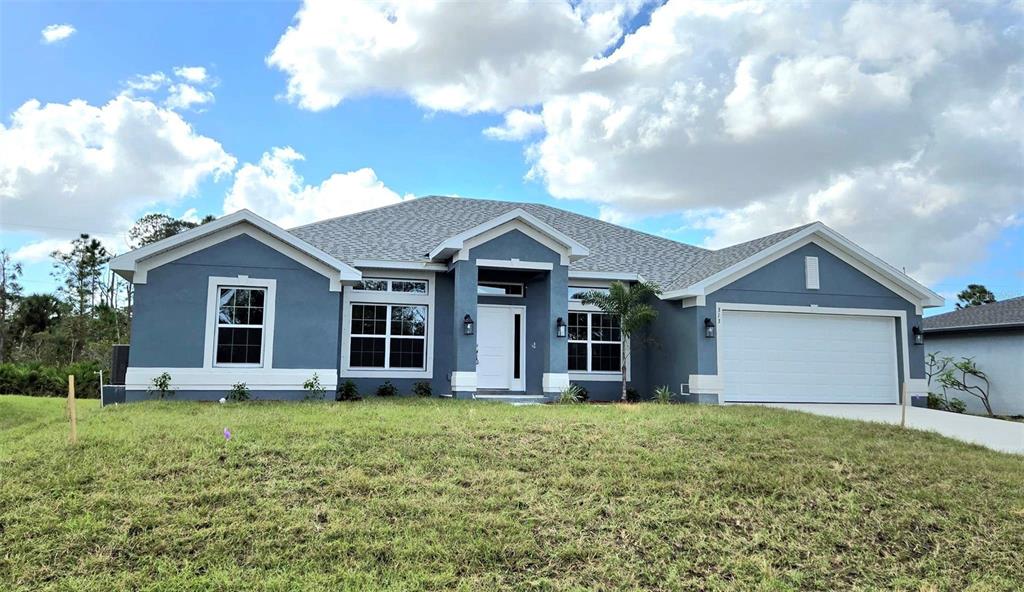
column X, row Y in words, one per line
column 494, row 343
column 807, row 358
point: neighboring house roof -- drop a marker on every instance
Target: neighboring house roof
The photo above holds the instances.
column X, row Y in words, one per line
column 134, row 265
column 1002, row 314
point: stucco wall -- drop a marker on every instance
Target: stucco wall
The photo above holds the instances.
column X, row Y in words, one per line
column 1000, row 354
column 169, row 316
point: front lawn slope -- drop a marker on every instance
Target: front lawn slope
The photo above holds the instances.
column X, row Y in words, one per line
column 408, row 495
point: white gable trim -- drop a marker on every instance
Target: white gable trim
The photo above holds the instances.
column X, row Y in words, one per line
column 834, row 243
column 135, row 265
column 517, row 219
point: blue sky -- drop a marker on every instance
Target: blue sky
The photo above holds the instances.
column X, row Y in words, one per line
column 414, row 126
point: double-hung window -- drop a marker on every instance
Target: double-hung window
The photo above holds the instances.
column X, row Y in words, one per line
column 240, row 324
column 388, row 336
column 595, row 342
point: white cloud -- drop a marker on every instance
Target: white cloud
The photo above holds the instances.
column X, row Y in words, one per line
column 452, row 56
column 93, row 168
column 518, row 125
column 146, row 83
column 274, row 189
column 193, row 74
column 186, row 96
column 39, row 251
column 55, row 33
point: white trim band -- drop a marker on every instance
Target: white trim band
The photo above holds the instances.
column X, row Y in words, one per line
column 214, row 379
column 463, row 382
column 709, row 384
column 555, row 382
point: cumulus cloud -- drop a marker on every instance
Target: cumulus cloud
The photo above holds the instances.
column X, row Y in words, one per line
column 898, row 124
column 93, row 168
column 55, row 33
column 275, row 190
column 518, row 125
column 194, row 74
column 452, row 56
column 186, row 96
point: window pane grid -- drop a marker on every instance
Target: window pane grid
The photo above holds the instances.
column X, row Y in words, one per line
column 240, row 326
column 595, row 342
column 386, row 285
column 388, row 336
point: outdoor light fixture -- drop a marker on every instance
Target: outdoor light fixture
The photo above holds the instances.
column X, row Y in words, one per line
column 560, row 327
column 709, row 328
column 467, row 325
column 918, row 335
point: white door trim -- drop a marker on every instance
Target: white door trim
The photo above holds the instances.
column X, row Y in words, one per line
column 900, row 315
column 514, row 383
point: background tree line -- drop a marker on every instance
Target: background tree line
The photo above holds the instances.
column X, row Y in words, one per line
column 46, row 336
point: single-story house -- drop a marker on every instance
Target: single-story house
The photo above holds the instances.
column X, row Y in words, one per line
column 480, row 298
column 993, row 336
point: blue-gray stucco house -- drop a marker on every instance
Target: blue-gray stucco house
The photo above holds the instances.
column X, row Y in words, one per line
column 478, row 299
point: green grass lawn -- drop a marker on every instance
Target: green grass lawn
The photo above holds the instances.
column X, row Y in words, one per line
column 436, row 494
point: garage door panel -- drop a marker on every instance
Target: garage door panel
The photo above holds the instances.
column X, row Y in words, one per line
column 796, row 357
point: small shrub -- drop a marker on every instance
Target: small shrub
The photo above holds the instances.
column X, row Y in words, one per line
column 583, row 395
column 422, row 389
column 161, row 386
column 663, row 395
column 314, row 390
column 957, row 406
column 570, row 395
column 387, row 390
column 943, row 403
column 239, row 392
column 347, row 391
column 632, row 395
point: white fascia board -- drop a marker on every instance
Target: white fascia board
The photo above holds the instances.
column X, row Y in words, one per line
column 127, row 264
column 412, row 265
column 453, row 244
column 605, row 275
column 515, row 264
column 874, row 267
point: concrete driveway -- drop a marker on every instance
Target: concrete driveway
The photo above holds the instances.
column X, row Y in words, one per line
column 997, row 434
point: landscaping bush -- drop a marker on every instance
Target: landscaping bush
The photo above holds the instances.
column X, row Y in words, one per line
column 569, row 395
column 632, row 395
column 387, row 390
column 663, row 395
column 582, row 394
column 162, row 386
column 422, row 389
column 239, row 392
column 347, row 391
column 38, row 380
column 314, row 390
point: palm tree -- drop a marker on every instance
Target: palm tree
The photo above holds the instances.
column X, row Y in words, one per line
column 628, row 303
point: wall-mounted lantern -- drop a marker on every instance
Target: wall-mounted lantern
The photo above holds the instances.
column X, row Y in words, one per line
column 467, row 325
column 560, row 327
column 918, row 335
column 709, row 328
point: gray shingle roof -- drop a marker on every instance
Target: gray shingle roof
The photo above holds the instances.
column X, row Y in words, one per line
column 1004, row 312
column 407, row 231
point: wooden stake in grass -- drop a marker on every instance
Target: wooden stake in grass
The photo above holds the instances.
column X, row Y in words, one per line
column 903, row 407
column 71, row 408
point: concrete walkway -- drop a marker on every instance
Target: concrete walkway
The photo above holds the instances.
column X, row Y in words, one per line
column 997, row 434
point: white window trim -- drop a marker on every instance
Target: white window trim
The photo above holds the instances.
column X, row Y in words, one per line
column 351, row 296
column 212, row 309
column 597, row 375
column 520, row 284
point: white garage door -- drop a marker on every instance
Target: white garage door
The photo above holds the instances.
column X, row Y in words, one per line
column 807, row 358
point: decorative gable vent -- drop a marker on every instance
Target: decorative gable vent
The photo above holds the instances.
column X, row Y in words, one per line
column 811, row 272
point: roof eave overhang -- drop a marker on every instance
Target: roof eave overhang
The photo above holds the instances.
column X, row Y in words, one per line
column 968, row 328
column 451, row 246
column 133, row 264
column 914, row 291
